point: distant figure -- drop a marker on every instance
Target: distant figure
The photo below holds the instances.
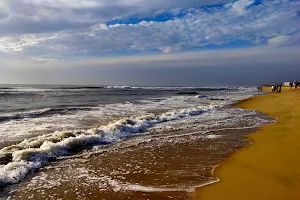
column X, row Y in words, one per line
column 259, row 88
column 296, row 84
column 279, row 88
column 291, row 85
column 273, row 88
column 276, row 88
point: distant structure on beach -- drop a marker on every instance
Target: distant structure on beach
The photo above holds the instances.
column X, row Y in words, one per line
column 286, row 84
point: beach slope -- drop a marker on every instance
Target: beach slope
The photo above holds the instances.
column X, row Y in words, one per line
column 270, row 167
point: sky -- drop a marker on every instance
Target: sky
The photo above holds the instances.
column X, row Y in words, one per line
column 142, row 42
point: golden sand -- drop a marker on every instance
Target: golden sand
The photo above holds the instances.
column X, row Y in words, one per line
column 270, row 168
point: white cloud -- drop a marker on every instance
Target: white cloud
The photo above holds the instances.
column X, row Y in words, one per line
column 240, row 6
column 74, row 4
column 278, row 40
column 167, row 49
column 30, row 16
column 200, row 27
column 282, row 40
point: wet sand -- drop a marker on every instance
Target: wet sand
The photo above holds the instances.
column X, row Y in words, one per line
column 268, row 169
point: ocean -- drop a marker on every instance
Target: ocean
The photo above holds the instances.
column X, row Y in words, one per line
column 118, row 142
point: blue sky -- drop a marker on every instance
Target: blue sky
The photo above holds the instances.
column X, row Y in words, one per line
column 58, row 36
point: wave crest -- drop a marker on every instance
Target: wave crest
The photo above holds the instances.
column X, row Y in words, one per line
column 31, row 154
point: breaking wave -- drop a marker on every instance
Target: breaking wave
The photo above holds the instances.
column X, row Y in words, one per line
column 31, row 154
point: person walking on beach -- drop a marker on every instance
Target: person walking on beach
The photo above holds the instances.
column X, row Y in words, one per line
column 259, row 88
column 276, row 88
column 272, row 87
column 279, row 88
column 291, row 85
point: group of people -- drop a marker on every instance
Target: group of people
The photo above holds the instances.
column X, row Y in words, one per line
column 295, row 84
column 276, row 88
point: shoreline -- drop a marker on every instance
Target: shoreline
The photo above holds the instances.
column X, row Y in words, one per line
column 229, row 142
column 170, row 153
column 268, row 168
column 133, row 190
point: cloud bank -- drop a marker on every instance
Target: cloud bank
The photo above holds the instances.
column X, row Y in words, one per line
column 190, row 25
column 249, row 66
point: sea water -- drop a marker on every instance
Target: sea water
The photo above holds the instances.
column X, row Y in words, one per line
column 117, row 137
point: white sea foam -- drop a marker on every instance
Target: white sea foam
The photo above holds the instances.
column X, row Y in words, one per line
column 244, row 88
column 33, row 153
column 136, row 118
column 121, row 87
column 141, row 188
column 212, row 136
column 26, row 127
column 13, row 172
column 23, row 128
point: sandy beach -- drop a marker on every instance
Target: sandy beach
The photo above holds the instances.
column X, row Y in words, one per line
column 268, row 169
